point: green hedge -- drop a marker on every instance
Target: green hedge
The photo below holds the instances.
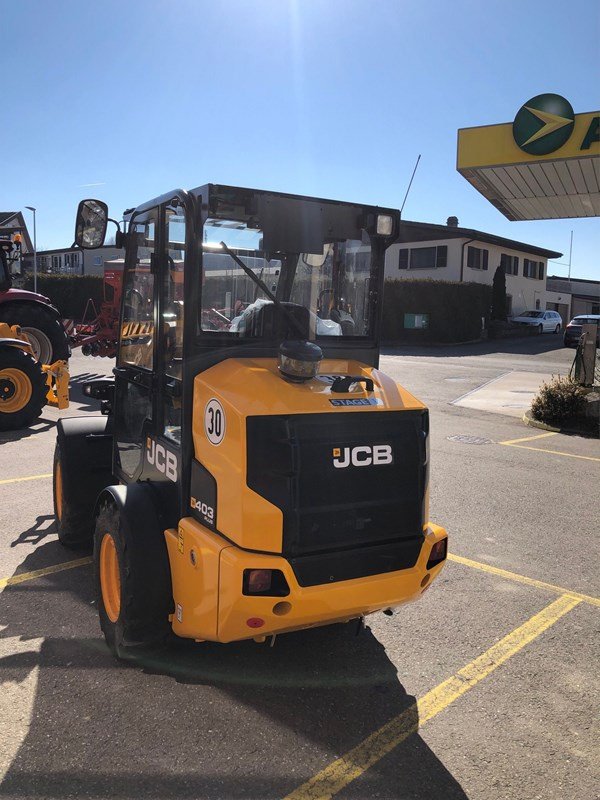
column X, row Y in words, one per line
column 69, row 293
column 455, row 310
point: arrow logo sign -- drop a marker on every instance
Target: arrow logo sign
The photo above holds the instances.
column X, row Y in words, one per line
column 543, row 124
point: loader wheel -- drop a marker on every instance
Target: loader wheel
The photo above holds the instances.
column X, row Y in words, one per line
column 22, row 389
column 126, row 596
column 72, row 523
column 45, row 332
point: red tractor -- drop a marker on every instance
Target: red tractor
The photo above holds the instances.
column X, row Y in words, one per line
column 33, row 312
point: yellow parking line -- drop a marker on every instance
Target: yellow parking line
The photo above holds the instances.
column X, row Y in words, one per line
column 27, row 478
column 38, row 573
column 354, row 763
column 529, row 438
column 514, row 576
column 554, row 452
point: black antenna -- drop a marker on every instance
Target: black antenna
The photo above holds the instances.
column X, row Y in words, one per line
column 410, row 184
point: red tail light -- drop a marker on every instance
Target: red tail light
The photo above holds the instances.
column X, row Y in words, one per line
column 438, row 553
column 259, row 580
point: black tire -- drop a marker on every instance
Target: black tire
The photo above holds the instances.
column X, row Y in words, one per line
column 557, row 329
column 540, row 328
column 53, row 342
column 72, row 521
column 141, row 622
column 20, row 377
column 82, row 468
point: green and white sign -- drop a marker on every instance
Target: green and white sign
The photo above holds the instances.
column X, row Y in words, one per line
column 543, row 124
column 416, row 321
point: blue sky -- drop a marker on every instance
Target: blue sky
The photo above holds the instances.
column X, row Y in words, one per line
column 334, row 98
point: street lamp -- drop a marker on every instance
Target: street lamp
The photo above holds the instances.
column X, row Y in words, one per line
column 31, row 208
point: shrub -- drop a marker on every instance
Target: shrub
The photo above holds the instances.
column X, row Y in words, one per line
column 455, row 310
column 69, row 293
column 558, row 401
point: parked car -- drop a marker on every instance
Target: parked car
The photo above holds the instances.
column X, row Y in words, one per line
column 545, row 321
column 573, row 329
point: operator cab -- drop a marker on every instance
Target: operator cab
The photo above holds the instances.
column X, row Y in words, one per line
column 222, row 272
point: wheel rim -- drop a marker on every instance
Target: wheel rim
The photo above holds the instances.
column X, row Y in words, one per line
column 58, row 490
column 110, row 581
column 40, row 344
column 15, row 390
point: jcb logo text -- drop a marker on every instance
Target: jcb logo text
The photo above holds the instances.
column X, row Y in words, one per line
column 362, row 456
column 162, row 459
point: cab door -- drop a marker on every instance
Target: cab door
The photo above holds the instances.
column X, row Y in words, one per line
column 135, row 373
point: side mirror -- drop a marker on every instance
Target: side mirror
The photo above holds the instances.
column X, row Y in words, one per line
column 90, row 225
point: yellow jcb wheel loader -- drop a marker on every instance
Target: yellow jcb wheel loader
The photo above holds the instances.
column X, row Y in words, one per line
column 254, row 472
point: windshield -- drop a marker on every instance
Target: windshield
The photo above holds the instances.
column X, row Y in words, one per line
column 326, row 293
column 536, row 314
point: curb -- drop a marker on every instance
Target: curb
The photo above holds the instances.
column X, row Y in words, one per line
column 534, row 423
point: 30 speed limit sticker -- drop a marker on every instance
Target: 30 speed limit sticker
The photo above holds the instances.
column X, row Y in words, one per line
column 214, row 421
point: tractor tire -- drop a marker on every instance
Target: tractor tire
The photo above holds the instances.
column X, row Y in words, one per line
column 72, row 522
column 132, row 577
column 22, row 388
column 44, row 330
column 82, row 469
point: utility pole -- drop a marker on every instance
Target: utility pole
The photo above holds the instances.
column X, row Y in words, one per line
column 570, row 254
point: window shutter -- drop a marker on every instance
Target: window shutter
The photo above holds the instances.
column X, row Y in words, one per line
column 403, row 259
column 485, row 258
column 541, row 270
column 441, row 259
column 516, row 266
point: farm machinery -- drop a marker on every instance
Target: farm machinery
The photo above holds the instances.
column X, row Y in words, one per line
column 98, row 332
column 27, row 384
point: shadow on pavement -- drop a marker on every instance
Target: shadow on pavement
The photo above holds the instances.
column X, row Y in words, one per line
column 45, row 525
column 197, row 720
column 529, row 345
column 41, row 425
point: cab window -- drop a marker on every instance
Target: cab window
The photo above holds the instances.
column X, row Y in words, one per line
column 136, row 347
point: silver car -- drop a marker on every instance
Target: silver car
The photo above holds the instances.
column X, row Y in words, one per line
column 545, row 321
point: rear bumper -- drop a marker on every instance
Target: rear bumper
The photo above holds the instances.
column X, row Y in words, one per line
column 207, row 575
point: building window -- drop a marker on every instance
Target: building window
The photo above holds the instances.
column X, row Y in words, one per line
column 595, row 309
column 477, row 258
column 423, row 257
column 56, row 262
column 533, row 269
column 510, row 264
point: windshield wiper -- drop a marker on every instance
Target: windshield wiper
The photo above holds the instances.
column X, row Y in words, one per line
column 261, row 284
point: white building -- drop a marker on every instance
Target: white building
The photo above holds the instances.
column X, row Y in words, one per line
column 72, row 261
column 585, row 294
column 450, row 253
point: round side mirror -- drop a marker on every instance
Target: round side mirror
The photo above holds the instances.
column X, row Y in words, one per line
column 90, row 226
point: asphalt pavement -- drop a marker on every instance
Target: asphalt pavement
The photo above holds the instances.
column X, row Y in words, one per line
column 483, row 689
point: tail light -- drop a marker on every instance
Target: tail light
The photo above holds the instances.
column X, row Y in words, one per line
column 439, row 551
column 265, row 582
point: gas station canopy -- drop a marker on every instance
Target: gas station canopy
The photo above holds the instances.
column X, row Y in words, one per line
column 544, row 165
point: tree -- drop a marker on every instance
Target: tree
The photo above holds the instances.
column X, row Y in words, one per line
column 499, row 302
